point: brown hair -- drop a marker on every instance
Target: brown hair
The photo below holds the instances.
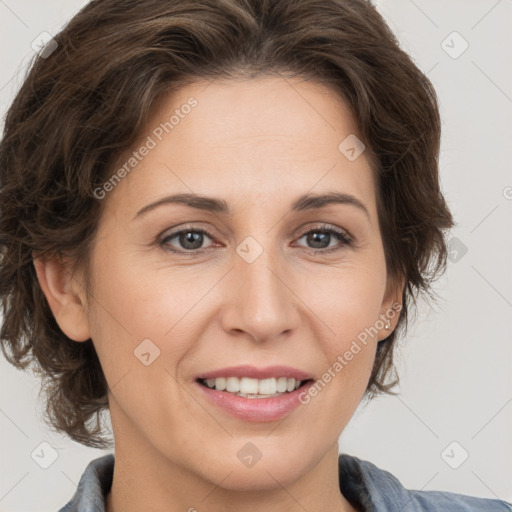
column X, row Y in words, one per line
column 86, row 102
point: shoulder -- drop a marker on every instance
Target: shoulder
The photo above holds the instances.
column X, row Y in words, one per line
column 93, row 487
column 372, row 488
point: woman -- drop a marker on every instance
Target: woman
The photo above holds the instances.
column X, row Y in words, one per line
column 214, row 217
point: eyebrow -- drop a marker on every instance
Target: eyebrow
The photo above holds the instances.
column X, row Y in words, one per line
column 214, row 205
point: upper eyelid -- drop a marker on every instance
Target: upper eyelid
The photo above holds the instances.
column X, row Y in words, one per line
column 324, row 227
column 299, row 233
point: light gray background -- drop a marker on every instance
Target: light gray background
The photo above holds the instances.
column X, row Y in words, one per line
column 455, row 364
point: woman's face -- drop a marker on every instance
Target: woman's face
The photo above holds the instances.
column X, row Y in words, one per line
column 171, row 303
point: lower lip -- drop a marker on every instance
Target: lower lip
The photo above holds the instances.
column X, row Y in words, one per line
column 255, row 409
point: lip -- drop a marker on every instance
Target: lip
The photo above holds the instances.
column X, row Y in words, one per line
column 248, row 370
column 254, row 409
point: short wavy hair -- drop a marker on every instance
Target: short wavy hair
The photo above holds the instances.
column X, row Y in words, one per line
column 86, row 102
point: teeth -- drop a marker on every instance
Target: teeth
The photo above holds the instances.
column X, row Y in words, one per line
column 254, row 388
column 219, row 384
column 232, row 384
column 282, row 384
column 248, row 385
column 267, row 386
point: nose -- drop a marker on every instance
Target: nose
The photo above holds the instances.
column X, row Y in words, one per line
column 260, row 300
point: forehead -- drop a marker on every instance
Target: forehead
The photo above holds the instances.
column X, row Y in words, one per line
column 259, row 138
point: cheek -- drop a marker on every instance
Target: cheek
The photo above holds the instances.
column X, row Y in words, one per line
column 347, row 299
column 131, row 296
column 347, row 303
column 134, row 302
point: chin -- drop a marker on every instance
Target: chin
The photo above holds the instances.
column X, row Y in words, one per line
column 258, row 478
column 250, row 469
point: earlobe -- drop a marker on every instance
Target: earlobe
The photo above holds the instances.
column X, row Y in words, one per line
column 67, row 305
column 391, row 308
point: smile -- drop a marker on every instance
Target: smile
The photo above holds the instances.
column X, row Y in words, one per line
column 253, row 388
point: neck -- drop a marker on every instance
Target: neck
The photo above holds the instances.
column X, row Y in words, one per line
column 144, row 479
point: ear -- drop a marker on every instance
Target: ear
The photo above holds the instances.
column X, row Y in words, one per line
column 62, row 292
column 391, row 306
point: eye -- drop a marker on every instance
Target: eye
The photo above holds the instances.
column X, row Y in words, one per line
column 321, row 237
column 189, row 239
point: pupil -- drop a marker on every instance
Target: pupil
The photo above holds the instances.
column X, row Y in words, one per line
column 190, row 237
column 315, row 236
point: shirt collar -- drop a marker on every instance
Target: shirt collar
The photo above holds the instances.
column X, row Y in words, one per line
column 362, row 483
column 94, row 486
column 370, row 488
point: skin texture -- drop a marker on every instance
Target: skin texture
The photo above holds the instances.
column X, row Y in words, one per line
column 259, row 145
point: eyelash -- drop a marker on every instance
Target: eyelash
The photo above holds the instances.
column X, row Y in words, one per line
column 342, row 236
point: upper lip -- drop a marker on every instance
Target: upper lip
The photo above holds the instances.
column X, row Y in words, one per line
column 247, row 370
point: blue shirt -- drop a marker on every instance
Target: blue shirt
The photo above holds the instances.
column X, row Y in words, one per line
column 367, row 487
